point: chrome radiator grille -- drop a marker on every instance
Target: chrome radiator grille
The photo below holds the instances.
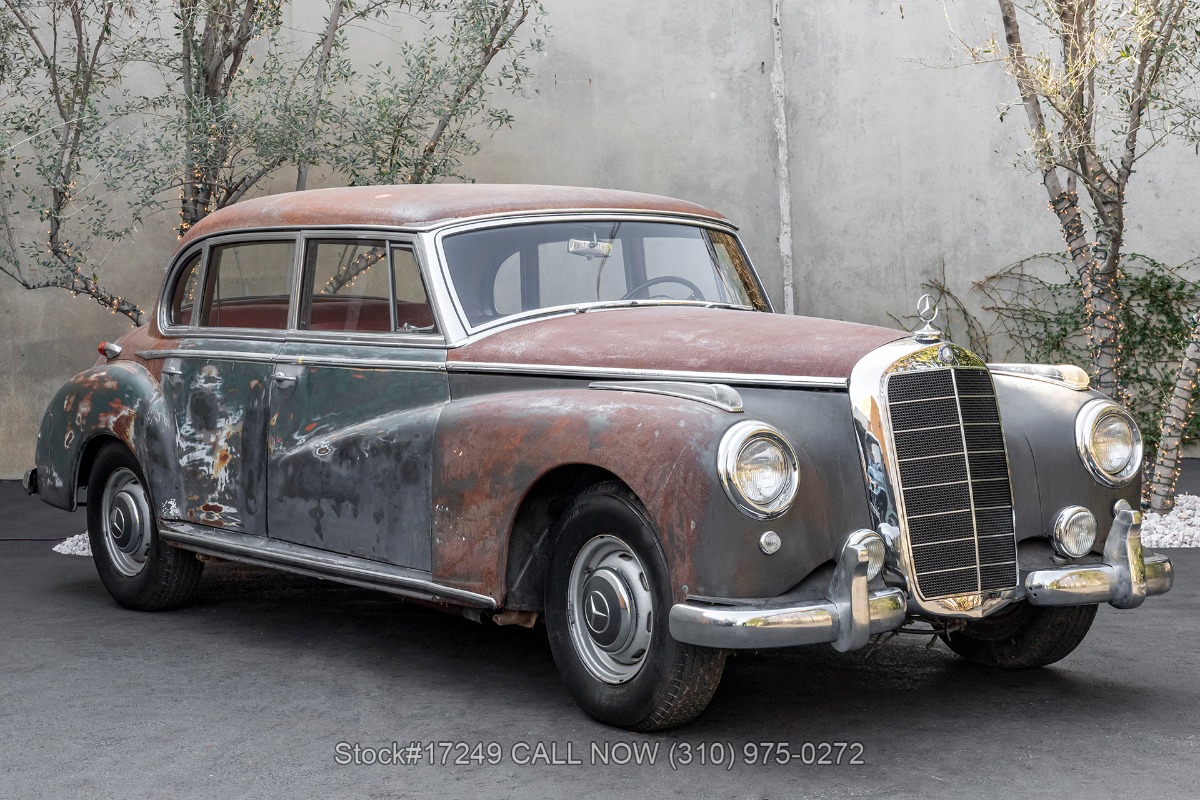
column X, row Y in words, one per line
column 954, row 480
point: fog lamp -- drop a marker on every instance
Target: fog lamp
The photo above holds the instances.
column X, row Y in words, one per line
column 1074, row 531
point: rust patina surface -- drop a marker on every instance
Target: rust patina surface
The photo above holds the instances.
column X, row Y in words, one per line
column 424, row 205
column 492, row 448
column 698, row 340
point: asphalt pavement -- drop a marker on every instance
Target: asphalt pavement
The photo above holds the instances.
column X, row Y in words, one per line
column 263, row 685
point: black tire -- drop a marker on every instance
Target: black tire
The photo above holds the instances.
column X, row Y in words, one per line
column 671, row 683
column 1023, row 638
column 162, row 576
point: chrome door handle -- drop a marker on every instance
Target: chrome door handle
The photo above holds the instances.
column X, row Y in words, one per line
column 283, row 377
column 172, row 371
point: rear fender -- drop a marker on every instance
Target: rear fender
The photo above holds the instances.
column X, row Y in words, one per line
column 120, row 400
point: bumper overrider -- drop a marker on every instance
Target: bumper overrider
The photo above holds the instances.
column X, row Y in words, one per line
column 852, row 612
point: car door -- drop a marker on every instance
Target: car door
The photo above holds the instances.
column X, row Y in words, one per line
column 358, row 388
column 230, row 309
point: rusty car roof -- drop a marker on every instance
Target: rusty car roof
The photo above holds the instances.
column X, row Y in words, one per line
column 425, row 205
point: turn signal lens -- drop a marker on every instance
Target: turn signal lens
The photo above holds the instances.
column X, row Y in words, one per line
column 875, row 554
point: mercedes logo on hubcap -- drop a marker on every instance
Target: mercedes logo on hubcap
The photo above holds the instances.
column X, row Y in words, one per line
column 597, row 613
column 117, row 521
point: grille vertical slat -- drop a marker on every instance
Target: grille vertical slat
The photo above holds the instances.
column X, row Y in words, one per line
column 945, row 427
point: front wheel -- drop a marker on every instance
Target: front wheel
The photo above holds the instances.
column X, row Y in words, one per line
column 1026, row 636
column 608, row 594
column 137, row 568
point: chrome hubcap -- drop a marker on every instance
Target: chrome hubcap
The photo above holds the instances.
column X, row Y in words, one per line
column 125, row 516
column 610, row 609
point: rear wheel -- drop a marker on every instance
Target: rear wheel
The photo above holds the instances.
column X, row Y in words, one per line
column 135, row 566
column 1027, row 636
column 607, row 599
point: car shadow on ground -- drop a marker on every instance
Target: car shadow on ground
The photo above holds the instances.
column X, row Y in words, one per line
column 812, row 692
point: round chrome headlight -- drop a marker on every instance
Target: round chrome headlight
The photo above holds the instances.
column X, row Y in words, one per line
column 1074, row 531
column 758, row 469
column 1109, row 442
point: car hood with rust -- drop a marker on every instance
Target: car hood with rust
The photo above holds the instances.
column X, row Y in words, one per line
column 681, row 338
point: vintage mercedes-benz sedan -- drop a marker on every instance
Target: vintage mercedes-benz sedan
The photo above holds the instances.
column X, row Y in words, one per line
column 576, row 406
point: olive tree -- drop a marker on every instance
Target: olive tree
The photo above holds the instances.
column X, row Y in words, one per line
column 241, row 98
column 1103, row 83
column 237, row 123
column 62, row 155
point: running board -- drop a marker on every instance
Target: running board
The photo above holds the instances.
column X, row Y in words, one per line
column 315, row 563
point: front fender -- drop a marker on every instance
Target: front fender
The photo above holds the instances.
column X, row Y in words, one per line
column 120, row 399
column 490, row 449
column 1047, row 473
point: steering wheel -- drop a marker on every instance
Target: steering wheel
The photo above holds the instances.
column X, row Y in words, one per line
column 696, row 294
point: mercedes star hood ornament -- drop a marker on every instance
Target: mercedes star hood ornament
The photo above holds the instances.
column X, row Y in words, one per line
column 927, row 310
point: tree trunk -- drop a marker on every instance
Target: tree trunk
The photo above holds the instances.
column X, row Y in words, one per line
column 310, row 129
column 1096, row 270
column 1176, row 414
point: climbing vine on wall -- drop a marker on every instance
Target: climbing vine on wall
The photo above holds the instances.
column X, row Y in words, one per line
column 1033, row 311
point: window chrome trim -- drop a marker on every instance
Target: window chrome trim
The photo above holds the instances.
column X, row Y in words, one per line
column 470, row 332
column 425, row 240
column 561, row 370
column 410, row 365
column 220, row 239
column 306, row 360
column 226, row 355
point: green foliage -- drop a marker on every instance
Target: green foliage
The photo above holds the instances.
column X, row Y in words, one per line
column 241, row 97
column 272, row 104
column 417, row 124
column 64, row 155
column 1037, row 315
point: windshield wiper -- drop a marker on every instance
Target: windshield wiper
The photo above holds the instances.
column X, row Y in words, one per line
column 607, row 304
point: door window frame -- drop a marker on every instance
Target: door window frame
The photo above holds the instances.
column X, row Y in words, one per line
column 297, row 300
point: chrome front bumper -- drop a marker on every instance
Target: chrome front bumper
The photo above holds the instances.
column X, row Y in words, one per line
column 847, row 619
column 1126, row 578
column 852, row 613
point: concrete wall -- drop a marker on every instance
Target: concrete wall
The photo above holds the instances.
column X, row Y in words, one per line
column 898, row 161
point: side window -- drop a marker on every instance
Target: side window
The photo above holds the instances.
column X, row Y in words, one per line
column 349, row 280
column 186, row 293
column 413, row 314
column 250, row 284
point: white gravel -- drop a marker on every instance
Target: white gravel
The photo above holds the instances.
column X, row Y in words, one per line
column 75, row 546
column 1180, row 528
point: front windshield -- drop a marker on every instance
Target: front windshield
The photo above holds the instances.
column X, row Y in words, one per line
column 501, row 271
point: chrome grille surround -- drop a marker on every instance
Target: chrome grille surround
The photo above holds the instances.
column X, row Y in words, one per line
column 957, row 497
column 898, row 514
